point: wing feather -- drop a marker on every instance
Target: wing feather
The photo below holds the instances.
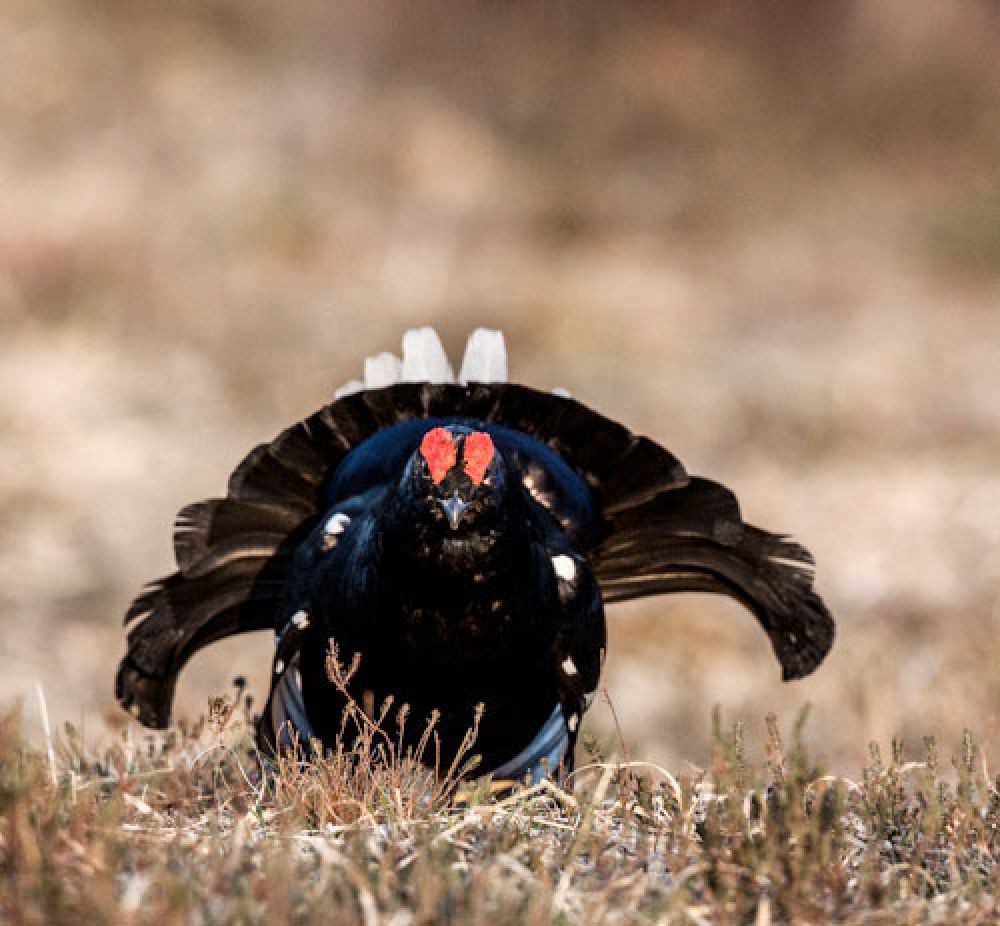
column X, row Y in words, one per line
column 693, row 539
column 664, row 531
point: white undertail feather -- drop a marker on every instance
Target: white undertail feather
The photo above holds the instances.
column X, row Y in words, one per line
column 349, row 388
column 424, row 361
column 485, row 359
column 382, row 370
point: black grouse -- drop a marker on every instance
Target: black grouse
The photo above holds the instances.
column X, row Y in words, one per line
column 460, row 538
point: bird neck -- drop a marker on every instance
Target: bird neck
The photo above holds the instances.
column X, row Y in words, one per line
column 424, row 545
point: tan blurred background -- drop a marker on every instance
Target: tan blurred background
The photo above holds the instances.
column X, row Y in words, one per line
column 766, row 234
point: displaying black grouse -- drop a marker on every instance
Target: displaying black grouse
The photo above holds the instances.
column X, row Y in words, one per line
column 461, row 538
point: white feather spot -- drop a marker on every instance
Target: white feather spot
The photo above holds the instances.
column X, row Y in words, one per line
column 336, row 524
column 349, row 388
column 573, row 722
column 301, row 619
column 568, row 666
column 424, row 359
column 564, row 567
column 279, row 666
column 382, row 370
column 562, row 393
column 485, row 359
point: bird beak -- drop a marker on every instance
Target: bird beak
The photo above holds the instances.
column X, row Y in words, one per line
column 453, row 508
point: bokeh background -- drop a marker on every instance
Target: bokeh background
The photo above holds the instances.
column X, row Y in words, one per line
column 765, row 234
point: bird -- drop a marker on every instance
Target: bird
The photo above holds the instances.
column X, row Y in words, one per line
column 455, row 540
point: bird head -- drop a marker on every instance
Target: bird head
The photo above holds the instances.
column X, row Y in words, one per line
column 460, row 476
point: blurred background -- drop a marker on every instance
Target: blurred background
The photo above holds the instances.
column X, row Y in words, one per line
column 765, row 234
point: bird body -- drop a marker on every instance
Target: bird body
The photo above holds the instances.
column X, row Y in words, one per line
column 459, row 618
column 459, row 540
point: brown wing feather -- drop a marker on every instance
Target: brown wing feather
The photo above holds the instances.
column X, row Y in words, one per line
column 693, row 539
column 233, row 554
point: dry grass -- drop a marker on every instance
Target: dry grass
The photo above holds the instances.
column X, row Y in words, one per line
column 764, row 234
column 194, row 828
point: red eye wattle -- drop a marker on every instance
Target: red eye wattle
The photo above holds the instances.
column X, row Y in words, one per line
column 438, row 449
column 478, row 453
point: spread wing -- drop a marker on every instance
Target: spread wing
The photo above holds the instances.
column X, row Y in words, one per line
column 647, row 527
column 692, row 538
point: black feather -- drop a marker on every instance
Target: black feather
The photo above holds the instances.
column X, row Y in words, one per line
column 661, row 531
column 693, row 539
column 212, row 533
column 177, row 616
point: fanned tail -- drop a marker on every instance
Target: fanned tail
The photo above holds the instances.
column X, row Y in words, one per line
column 692, row 538
column 667, row 532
